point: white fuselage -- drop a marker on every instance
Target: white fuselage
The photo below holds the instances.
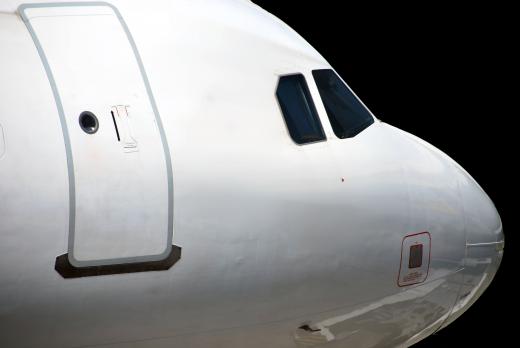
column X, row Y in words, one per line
column 275, row 236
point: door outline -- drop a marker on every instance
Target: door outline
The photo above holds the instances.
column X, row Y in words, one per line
column 139, row 260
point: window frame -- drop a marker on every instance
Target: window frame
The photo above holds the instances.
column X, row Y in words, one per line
column 363, row 128
column 312, row 106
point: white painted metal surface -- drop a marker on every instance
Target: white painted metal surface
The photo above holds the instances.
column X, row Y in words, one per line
column 273, row 239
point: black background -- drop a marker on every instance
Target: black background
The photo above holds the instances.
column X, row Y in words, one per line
column 442, row 74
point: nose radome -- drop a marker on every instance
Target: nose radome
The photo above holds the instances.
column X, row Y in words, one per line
column 482, row 228
column 484, row 234
column 482, row 221
column 484, row 243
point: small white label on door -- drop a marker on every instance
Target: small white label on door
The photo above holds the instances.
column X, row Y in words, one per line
column 124, row 128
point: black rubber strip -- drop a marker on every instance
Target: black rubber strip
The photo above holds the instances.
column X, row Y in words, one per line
column 66, row 270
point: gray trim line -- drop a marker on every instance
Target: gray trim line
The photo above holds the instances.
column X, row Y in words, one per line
column 484, row 244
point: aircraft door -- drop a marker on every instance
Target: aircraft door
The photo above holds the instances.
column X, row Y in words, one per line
column 120, row 180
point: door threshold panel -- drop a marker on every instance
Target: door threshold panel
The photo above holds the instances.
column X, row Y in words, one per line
column 67, row 270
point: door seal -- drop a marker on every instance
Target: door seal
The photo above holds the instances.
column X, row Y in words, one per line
column 67, row 270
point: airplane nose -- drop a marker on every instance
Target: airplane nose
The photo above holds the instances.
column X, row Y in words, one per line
column 482, row 221
column 484, row 243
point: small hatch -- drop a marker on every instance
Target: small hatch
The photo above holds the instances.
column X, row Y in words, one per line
column 416, row 256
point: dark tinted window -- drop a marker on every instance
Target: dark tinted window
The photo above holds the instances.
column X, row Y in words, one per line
column 298, row 109
column 347, row 115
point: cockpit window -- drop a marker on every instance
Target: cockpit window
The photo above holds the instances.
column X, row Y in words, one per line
column 298, row 109
column 347, row 115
